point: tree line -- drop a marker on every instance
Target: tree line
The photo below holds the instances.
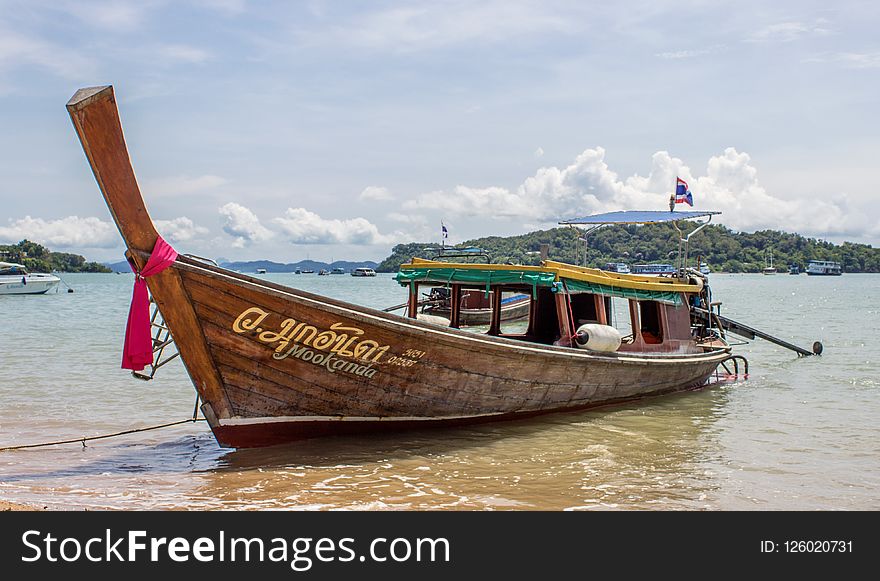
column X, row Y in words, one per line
column 723, row 249
column 37, row 258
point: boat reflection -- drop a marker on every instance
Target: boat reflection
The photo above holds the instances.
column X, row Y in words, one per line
column 628, row 457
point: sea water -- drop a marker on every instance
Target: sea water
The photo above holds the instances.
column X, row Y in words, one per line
column 800, row 433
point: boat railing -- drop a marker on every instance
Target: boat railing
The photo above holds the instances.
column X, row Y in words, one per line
column 162, row 340
column 444, row 252
column 731, row 366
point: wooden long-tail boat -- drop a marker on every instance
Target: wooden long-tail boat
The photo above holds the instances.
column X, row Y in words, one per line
column 272, row 364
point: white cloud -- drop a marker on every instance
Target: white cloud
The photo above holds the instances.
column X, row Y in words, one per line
column 114, row 15
column 182, row 185
column 849, row 60
column 376, row 193
column 407, row 218
column 436, row 25
column 183, row 53
column 230, row 7
column 684, row 54
column 539, row 153
column 68, row 232
column 789, row 31
column 589, row 186
column 243, row 225
column 21, row 51
column 180, row 229
column 304, row 227
column 493, row 201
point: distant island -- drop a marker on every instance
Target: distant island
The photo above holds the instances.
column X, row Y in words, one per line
column 722, row 248
column 252, row 266
column 38, row 258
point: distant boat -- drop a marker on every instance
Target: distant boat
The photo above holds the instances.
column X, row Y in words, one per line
column 363, row 271
column 297, row 271
column 337, row 270
column 704, row 268
column 653, row 269
column 308, row 271
column 261, row 271
column 769, row 268
column 16, row 280
column 794, row 269
column 323, row 272
column 618, row 267
column 824, row 268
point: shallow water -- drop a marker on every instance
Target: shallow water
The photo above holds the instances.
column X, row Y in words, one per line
column 799, row 434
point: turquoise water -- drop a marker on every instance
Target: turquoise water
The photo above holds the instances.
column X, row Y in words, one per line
column 800, row 434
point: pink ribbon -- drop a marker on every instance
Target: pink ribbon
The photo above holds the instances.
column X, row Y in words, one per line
column 138, row 349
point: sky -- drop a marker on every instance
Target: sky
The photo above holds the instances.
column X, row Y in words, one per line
column 335, row 130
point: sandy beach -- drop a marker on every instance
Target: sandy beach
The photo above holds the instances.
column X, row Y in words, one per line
column 10, row 506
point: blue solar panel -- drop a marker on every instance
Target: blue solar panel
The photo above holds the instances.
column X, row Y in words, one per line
column 636, row 217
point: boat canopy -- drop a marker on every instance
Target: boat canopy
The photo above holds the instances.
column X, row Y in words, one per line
column 12, row 268
column 635, row 217
column 558, row 276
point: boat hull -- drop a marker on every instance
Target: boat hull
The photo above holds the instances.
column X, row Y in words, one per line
column 33, row 287
column 294, row 365
column 272, row 431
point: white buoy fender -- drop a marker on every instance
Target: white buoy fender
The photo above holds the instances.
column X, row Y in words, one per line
column 433, row 319
column 596, row 337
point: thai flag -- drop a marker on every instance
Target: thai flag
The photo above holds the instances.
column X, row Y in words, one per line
column 682, row 193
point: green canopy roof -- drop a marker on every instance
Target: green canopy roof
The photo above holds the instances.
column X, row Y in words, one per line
column 531, row 276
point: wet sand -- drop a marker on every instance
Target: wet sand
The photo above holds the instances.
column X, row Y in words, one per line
column 6, row 506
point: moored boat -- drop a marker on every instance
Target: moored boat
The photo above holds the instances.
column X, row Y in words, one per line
column 363, row 271
column 272, row 364
column 655, row 269
column 769, row 269
column 824, row 268
column 15, row 279
column 620, row 267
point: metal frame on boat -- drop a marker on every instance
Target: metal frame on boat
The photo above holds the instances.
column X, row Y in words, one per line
column 272, row 364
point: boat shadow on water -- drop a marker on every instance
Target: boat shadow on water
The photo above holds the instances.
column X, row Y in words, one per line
column 183, row 453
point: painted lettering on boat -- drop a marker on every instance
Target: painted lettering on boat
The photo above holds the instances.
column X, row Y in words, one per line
column 333, row 349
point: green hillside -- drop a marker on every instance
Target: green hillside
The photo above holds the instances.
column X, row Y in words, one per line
column 723, row 249
column 38, row 258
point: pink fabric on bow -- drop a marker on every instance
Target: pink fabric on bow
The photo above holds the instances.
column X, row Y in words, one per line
column 138, row 349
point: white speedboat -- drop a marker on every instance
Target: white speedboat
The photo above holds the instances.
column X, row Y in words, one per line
column 16, row 280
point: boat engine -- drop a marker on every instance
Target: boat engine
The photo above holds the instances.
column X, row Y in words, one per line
column 596, row 337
